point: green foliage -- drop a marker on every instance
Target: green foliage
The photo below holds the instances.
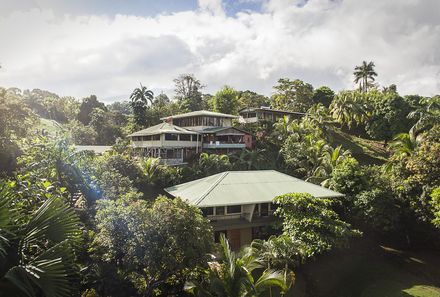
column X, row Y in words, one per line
column 210, row 164
column 229, row 275
column 350, row 108
column 57, row 161
column 292, row 95
column 435, row 204
column 251, row 99
column 389, row 116
column 226, row 100
column 37, row 251
column 323, row 95
column 188, row 95
column 348, row 178
column 103, row 123
column 154, row 246
column 51, row 106
column 312, row 221
column 87, row 106
column 426, row 115
column 377, row 209
column 81, row 134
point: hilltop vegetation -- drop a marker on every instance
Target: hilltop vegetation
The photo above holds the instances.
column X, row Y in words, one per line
column 101, row 228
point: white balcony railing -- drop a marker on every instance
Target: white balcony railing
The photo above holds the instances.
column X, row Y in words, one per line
column 215, row 145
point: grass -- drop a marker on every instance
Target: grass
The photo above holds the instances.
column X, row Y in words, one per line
column 370, row 270
column 364, row 150
column 50, row 126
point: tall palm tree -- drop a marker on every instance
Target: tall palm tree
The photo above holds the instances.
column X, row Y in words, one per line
column 37, row 255
column 232, row 276
column 139, row 103
column 142, row 94
column 364, row 75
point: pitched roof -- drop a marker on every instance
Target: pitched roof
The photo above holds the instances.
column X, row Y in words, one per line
column 251, row 109
column 244, row 187
column 97, row 149
column 201, row 113
column 162, row 128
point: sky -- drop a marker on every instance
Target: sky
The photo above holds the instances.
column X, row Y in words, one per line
column 108, row 47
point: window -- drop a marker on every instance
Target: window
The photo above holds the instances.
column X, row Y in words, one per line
column 220, row 210
column 169, row 136
column 185, row 137
column 252, row 115
column 264, row 209
column 146, row 138
column 156, row 137
column 207, row 211
column 194, row 137
column 234, row 209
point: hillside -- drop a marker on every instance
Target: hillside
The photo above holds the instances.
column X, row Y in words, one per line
column 49, row 126
column 364, row 150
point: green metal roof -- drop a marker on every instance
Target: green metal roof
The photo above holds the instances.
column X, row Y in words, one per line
column 201, row 113
column 162, row 128
column 244, row 187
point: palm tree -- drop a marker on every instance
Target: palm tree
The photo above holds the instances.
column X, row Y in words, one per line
column 350, row 107
column 426, row 116
column 281, row 253
column 403, row 145
column 364, row 75
column 37, row 255
column 232, row 276
column 139, row 103
column 250, row 159
column 330, row 159
column 142, row 94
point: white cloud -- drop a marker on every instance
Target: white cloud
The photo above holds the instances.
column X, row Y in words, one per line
column 318, row 41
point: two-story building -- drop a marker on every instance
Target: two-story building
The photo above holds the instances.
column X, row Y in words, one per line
column 265, row 113
column 180, row 136
column 239, row 203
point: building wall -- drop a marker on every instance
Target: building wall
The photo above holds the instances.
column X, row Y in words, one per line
column 248, row 141
column 239, row 237
column 245, row 236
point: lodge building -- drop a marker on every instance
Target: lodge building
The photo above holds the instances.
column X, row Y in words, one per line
column 180, row 136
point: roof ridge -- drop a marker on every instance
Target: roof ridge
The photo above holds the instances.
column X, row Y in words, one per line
column 223, row 175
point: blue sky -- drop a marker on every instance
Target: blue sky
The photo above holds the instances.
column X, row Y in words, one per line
column 130, row 7
column 107, row 47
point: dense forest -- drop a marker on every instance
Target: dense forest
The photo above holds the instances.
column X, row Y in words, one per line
column 79, row 224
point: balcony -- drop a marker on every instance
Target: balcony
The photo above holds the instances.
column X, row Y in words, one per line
column 220, row 145
column 171, row 162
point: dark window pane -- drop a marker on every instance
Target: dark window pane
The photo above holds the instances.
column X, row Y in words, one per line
column 169, row 136
column 156, row 137
column 234, row 209
column 264, row 211
column 207, row 211
column 220, row 210
column 185, row 137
